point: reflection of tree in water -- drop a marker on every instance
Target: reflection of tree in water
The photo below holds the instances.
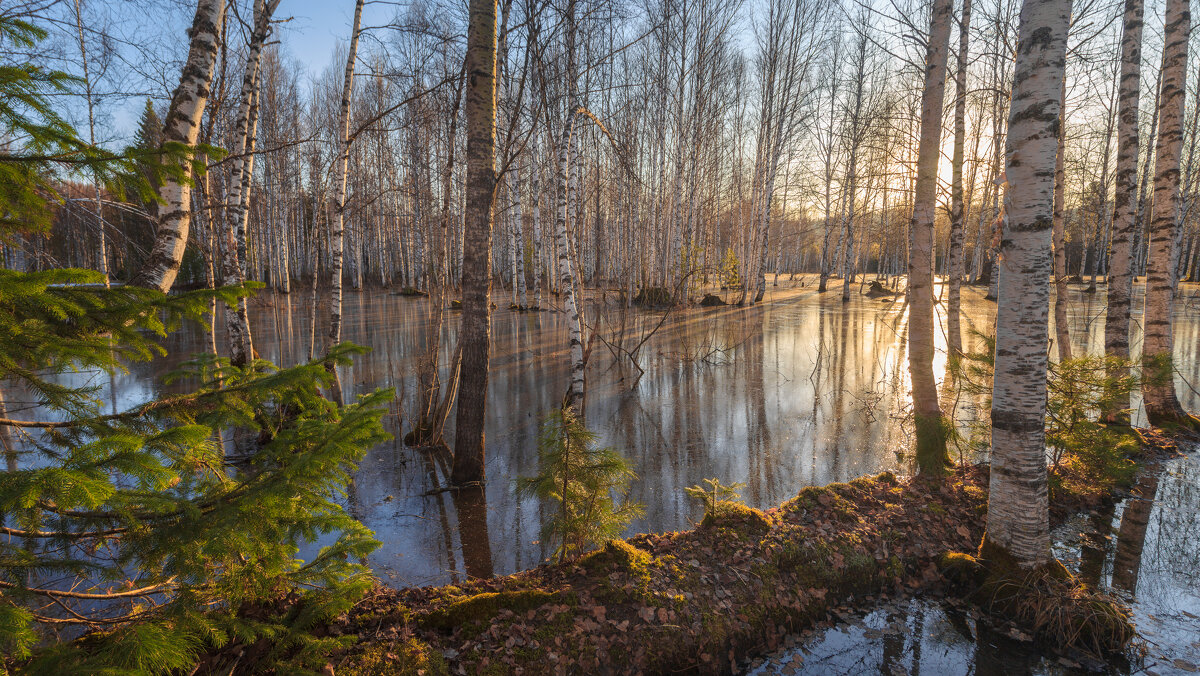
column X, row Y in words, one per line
column 1131, row 535
column 1095, row 545
column 437, row 469
column 909, row 637
column 1168, row 577
column 471, row 506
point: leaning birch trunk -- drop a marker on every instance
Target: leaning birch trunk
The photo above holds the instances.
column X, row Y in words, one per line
column 1158, row 390
column 241, row 345
column 480, row 108
column 183, row 126
column 337, row 236
column 1018, row 508
column 1062, row 334
column 955, row 253
column 931, row 434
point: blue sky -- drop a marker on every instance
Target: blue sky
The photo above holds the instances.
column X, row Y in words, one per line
column 318, row 25
column 311, row 37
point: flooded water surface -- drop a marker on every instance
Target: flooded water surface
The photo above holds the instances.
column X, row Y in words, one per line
column 799, row 390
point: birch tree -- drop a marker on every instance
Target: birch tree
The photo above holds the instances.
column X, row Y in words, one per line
column 182, row 126
column 1018, row 508
column 337, row 235
column 955, row 251
column 787, row 50
column 857, row 127
column 237, row 321
column 1158, row 390
column 91, row 115
column 1058, row 235
column 931, row 434
column 565, row 197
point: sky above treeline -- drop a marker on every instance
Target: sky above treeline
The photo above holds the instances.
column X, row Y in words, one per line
column 149, row 42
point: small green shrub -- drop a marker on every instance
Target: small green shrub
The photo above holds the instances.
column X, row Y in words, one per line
column 588, row 485
column 1078, row 392
column 730, row 277
column 714, row 494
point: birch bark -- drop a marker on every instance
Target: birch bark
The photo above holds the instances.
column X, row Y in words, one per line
column 566, row 188
column 1162, row 404
column 931, row 437
column 182, row 125
column 241, row 345
column 1017, row 519
column 337, row 236
column 566, row 276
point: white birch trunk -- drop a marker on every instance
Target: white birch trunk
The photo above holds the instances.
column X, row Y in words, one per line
column 337, row 235
column 234, row 264
column 1162, row 404
column 1018, row 514
column 535, row 189
column 931, row 441
column 182, row 125
column 520, row 298
column 566, row 275
column 954, row 253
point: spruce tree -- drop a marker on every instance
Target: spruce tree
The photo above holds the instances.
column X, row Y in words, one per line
column 131, row 542
column 148, row 138
column 585, row 484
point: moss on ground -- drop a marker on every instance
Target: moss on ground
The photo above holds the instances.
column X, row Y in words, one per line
column 738, row 519
column 407, row 657
column 619, row 556
column 476, row 610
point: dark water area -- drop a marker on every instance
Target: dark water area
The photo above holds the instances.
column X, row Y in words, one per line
column 799, row 390
column 1145, row 549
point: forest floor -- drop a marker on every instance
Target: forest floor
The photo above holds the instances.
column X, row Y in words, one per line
column 697, row 601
